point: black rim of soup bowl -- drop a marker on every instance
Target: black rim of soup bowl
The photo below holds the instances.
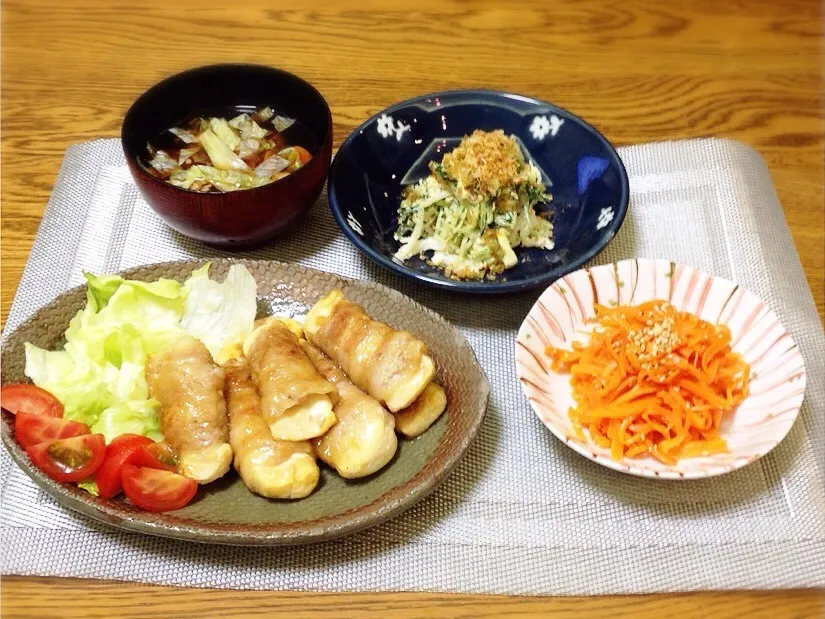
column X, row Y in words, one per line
column 147, row 104
column 484, row 286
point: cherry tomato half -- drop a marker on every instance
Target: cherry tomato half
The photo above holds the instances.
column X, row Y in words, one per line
column 155, row 456
column 304, row 156
column 30, row 399
column 118, row 453
column 157, row 491
column 69, row 459
column 31, row 429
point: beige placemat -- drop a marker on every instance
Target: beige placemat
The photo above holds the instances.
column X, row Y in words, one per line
column 522, row 513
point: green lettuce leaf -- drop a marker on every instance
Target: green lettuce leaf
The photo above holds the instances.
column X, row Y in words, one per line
column 78, row 384
column 102, row 365
column 132, row 417
column 100, row 375
column 90, row 486
column 220, row 314
column 100, row 289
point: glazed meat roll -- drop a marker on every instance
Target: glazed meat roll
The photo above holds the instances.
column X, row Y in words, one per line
column 296, row 401
column 189, row 386
column 423, row 412
column 274, row 469
column 391, row 366
column 363, row 440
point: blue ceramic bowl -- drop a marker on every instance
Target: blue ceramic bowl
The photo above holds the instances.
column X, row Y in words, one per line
column 392, row 149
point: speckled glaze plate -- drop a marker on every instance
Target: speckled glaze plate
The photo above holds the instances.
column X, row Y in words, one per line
column 225, row 511
column 759, row 423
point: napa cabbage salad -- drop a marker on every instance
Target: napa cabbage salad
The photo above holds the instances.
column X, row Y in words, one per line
column 99, row 374
column 474, row 208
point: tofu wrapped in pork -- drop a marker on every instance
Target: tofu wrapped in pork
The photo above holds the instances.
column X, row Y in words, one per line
column 296, row 401
column 392, row 366
column 423, row 412
column 189, row 386
column 269, row 467
column 363, row 441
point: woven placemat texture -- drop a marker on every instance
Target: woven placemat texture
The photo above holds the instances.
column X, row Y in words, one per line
column 522, row 514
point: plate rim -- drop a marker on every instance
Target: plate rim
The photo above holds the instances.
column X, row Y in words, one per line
column 625, row 465
column 485, row 286
column 120, row 515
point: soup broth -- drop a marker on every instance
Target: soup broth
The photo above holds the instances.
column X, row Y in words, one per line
column 229, row 150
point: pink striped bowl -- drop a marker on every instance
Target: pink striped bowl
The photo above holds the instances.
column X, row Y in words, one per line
column 777, row 369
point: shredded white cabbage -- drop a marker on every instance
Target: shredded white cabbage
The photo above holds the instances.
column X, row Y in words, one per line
column 473, row 237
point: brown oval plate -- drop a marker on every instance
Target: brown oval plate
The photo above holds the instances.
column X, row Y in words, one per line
column 225, row 512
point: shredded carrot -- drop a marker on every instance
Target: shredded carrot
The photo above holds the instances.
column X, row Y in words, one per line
column 653, row 380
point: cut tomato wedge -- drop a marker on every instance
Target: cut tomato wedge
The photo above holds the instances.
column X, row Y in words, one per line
column 155, row 490
column 155, row 456
column 69, row 459
column 31, row 429
column 118, row 453
column 304, row 156
column 30, row 399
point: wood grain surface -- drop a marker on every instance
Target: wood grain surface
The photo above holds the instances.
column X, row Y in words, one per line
column 638, row 70
column 42, row 597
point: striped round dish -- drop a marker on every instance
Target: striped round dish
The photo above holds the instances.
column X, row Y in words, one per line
column 760, row 422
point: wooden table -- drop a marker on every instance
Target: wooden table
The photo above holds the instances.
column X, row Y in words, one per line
column 638, row 70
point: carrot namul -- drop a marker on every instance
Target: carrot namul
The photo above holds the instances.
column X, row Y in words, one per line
column 653, row 380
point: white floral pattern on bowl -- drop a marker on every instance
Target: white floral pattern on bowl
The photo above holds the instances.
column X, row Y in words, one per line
column 353, row 222
column 386, row 127
column 605, row 217
column 761, row 421
column 543, row 125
